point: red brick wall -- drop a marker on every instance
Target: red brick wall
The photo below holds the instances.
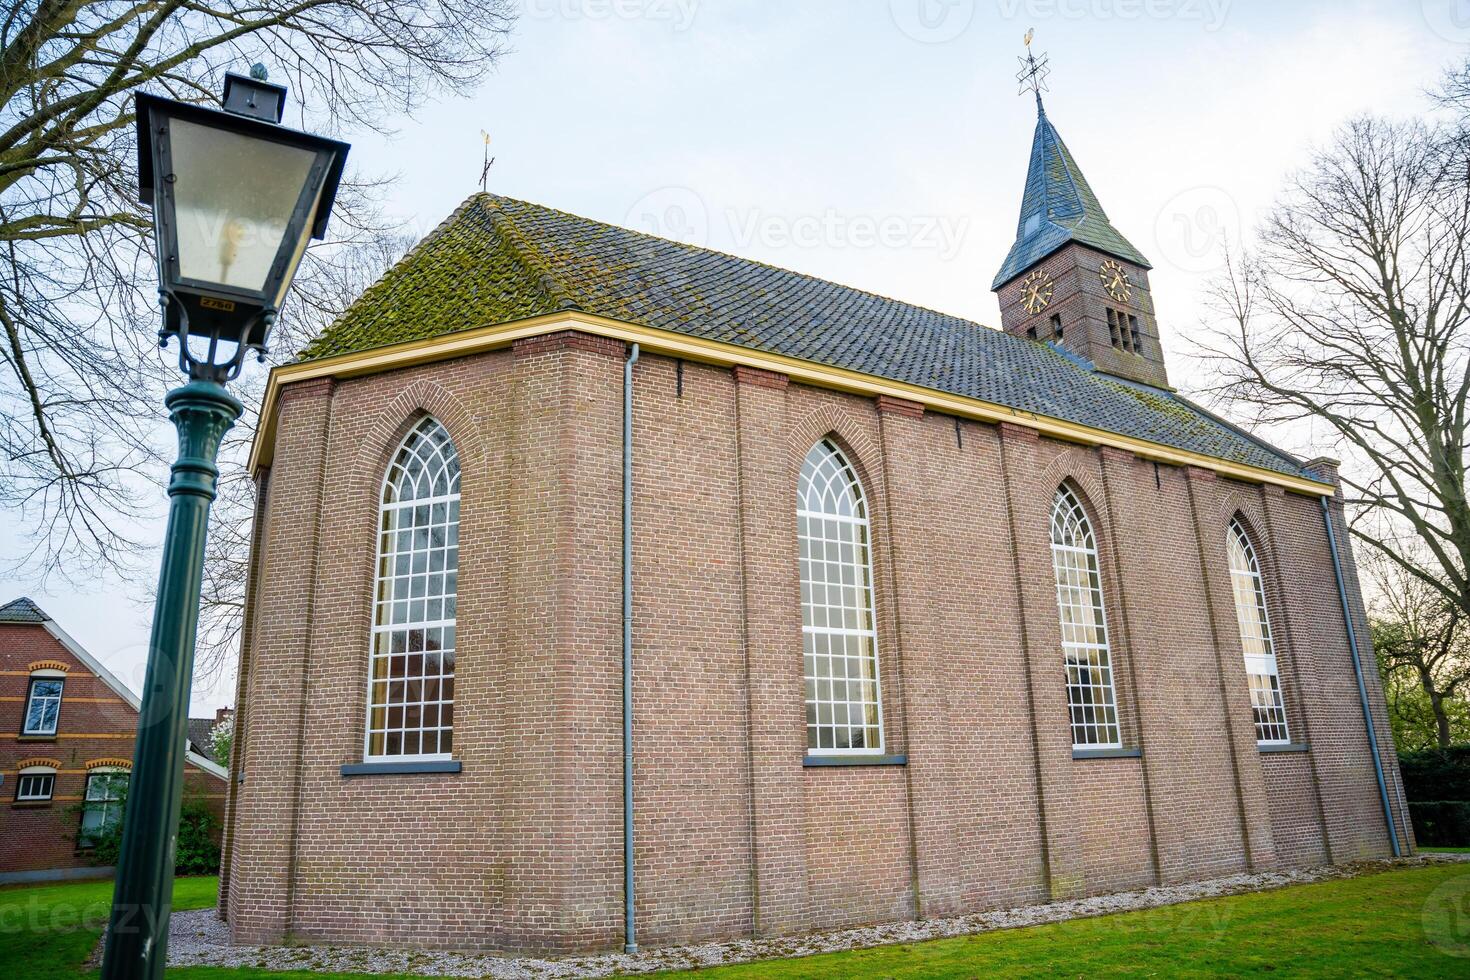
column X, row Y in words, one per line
column 94, row 724
column 522, row 849
column 1082, row 302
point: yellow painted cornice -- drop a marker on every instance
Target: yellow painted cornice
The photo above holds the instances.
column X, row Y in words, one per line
column 653, row 341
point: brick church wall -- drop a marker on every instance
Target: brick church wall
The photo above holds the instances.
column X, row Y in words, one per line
column 523, row 848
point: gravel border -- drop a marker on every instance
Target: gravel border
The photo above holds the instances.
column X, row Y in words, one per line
column 199, row 938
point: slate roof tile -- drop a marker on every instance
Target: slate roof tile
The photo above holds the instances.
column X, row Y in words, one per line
column 497, row 259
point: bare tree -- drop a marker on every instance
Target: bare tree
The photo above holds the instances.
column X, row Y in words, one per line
column 1422, row 641
column 338, row 277
column 1349, row 317
column 80, row 378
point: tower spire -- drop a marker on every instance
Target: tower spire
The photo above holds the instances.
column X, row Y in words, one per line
column 1033, row 72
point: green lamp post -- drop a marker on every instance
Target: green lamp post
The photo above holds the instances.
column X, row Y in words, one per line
column 235, row 196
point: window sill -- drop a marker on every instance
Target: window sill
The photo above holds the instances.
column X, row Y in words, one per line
column 398, row 768
column 812, row 761
column 35, row 738
column 1107, row 753
column 1280, row 747
column 31, row 805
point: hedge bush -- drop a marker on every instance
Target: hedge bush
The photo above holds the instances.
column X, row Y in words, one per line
column 1441, row 823
column 1437, row 774
column 195, row 852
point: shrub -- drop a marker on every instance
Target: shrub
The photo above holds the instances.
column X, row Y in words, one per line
column 196, row 852
column 1437, row 774
column 1441, row 823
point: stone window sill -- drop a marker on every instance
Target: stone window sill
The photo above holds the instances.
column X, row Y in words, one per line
column 1107, row 753
column 815, row 761
column 399, row 768
column 1292, row 747
column 31, row 805
column 35, row 738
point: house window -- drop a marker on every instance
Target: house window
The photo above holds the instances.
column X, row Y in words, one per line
column 1090, row 699
column 844, row 711
column 411, row 676
column 102, row 803
column 35, row 784
column 43, row 705
column 1255, row 639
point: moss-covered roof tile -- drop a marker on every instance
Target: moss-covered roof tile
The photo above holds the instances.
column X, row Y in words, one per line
column 497, row 259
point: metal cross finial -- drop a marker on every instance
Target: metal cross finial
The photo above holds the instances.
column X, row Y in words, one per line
column 1034, row 70
column 489, row 161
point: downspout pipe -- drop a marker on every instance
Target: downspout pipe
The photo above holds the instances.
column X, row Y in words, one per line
column 1352, row 634
column 630, row 944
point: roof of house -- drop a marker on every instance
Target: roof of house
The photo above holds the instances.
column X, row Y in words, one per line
column 496, row 259
column 22, row 610
column 199, row 735
column 1058, row 207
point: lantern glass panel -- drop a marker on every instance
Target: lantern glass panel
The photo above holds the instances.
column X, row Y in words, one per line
column 233, row 200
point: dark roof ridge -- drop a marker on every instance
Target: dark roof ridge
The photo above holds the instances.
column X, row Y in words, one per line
column 524, row 250
column 707, row 250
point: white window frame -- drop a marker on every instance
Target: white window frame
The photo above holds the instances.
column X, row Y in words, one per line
column 1090, row 651
column 1261, row 669
column 865, row 593
column 34, row 772
column 107, row 801
column 43, row 676
column 385, row 508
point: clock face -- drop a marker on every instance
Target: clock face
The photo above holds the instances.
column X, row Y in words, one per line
column 1036, row 290
column 1115, row 280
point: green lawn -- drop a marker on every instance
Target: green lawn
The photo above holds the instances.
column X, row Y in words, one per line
column 1368, row 926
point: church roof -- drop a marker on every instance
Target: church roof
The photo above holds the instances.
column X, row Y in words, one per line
column 496, row 259
column 1058, row 207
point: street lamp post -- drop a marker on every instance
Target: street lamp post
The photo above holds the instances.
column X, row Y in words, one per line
column 235, row 196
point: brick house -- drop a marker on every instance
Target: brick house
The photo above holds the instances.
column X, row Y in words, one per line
column 923, row 618
column 66, row 748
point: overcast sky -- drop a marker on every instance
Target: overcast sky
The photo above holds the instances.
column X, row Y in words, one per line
column 882, row 144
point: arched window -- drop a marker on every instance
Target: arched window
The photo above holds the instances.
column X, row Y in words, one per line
column 1255, row 638
column 844, row 712
column 102, row 801
column 411, row 680
column 1090, row 699
column 43, row 701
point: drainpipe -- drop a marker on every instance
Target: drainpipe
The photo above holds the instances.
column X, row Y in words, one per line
column 630, row 945
column 1347, row 617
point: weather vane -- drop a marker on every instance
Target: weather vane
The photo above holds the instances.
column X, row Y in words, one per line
column 1034, row 70
column 489, row 161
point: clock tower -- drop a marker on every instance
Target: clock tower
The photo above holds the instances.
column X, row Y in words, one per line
column 1071, row 278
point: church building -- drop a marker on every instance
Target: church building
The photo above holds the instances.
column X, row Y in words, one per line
column 611, row 590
